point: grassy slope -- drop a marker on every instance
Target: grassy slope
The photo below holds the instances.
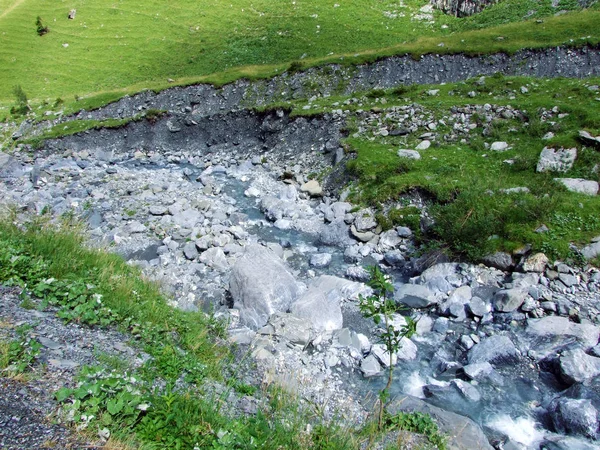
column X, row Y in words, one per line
column 133, row 45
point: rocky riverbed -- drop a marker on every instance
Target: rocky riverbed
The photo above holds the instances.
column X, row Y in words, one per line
column 240, row 230
column 244, row 215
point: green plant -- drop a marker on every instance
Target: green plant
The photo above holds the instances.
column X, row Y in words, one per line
column 18, row 356
column 417, row 422
column 108, row 398
column 40, row 28
column 21, row 107
column 380, row 306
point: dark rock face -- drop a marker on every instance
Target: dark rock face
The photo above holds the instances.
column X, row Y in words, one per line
column 462, row 8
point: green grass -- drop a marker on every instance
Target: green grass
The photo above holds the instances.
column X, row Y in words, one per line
column 464, row 182
column 115, row 48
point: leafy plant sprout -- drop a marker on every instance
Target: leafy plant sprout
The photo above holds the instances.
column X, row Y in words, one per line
column 380, row 306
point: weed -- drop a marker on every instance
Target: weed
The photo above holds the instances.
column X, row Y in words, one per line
column 21, row 106
column 417, row 422
column 380, row 307
column 40, row 28
column 19, row 355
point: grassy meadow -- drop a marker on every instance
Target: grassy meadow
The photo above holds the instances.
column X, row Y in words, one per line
column 115, row 47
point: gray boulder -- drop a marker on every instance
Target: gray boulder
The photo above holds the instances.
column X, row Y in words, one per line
column 320, row 260
column 499, row 260
column 571, row 416
column 370, row 366
column 591, row 251
column 577, row 366
column 320, row 307
column 415, row 296
column 336, row 233
column 507, row 300
column 462, row 432
column 553, row 327
column 560, row 160
column 587, row 187
column 261, row 285
column 215, row 257
column 496, row 349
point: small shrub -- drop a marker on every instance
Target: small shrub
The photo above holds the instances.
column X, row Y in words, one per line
column 380, row 307
column 296, row 66
column 21, row 107
column 19, row 355
column 41, row 29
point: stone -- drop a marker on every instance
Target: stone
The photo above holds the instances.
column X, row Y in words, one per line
column 365, row 220
column 536, row 263
column 579, row 185
column 409, row 154
column 135, row 227
column 558, row 327
column 462, row 432
column 370, row 366
column 507, row 300
column 158, row 210
column 591, row 251
column 552, row 160
column 261, row 285
column 407, row 351
column 335, row 233
column 322, row 308
column 383, row 356
column 312, row 188
column 362, row 236
column 496, row 349
column 404, row 232
column 190, row 251
column 320, row 260
column 574, row 416
column 499, row 260
column 576, row 366
column 389, row 240
column 478, row 307
column 499, row 146
column 478, row 371
column 424, row 145
column 215, row 257
column 415, row 296
column 467, row 390
column 295, row 330
column 587, row 137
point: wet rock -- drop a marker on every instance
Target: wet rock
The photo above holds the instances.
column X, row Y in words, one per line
column 496, row 349
column 507, row 300
column 320, row 260
column 415, row 296
column 261, row 285
column 336, row 233
column 555, row 328
column 573, row 416
column 370, row 366
column 467, row 390
column 577, row 366
column 362, row 236
column 404, row 232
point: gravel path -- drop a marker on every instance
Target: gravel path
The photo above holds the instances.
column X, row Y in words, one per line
column 27, row 406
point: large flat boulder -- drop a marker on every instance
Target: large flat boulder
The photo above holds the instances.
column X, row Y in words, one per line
column 497, row 349
column 261, row 285
column 462, row 432
column 557, row 328
column 320, row 306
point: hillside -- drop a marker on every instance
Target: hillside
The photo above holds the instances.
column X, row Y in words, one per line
column 299, row 225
